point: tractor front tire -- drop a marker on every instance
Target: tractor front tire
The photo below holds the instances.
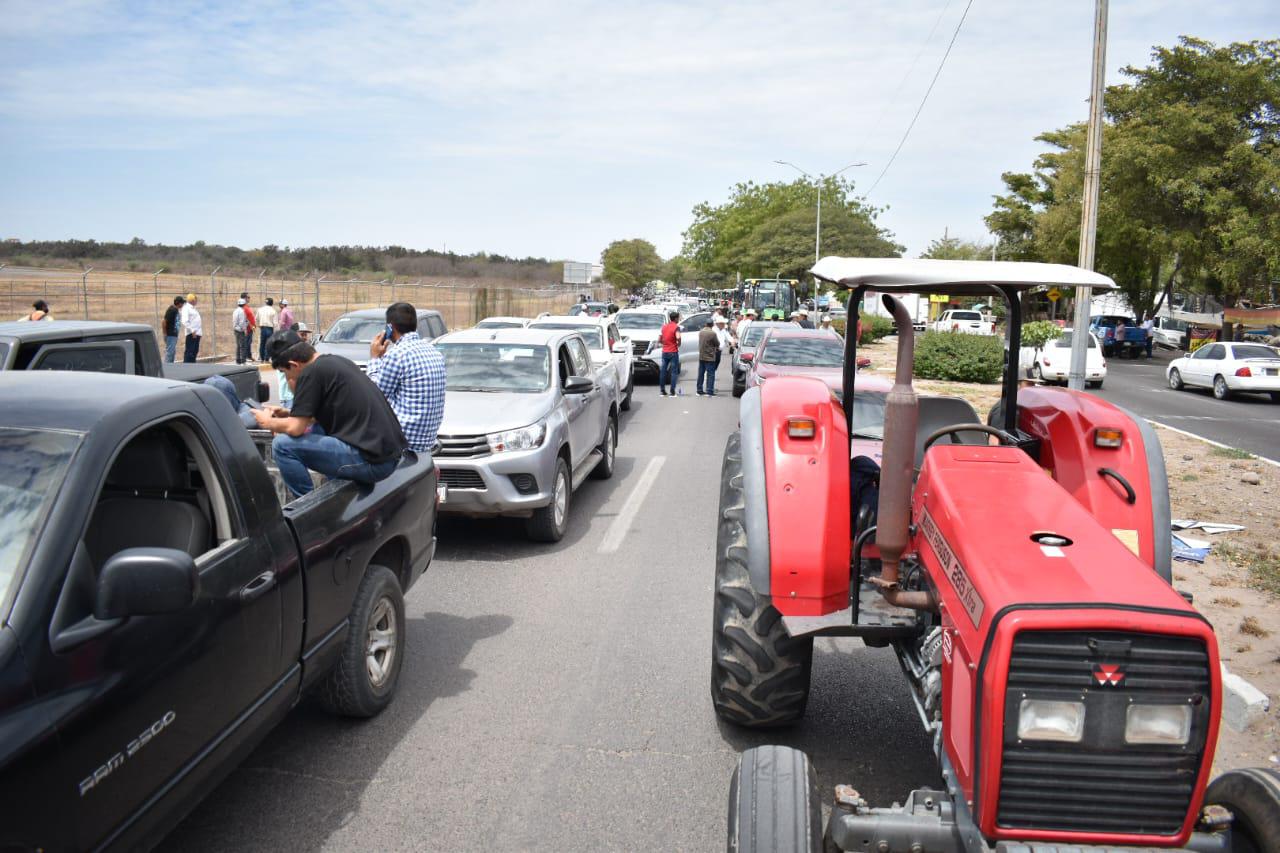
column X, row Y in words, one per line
column 759, row 673
column 1253, row 796
column 773, row 803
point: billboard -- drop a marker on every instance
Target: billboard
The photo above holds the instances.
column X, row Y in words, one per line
column 577, row 273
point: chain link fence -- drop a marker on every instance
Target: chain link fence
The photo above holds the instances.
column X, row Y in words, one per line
column 318, row 301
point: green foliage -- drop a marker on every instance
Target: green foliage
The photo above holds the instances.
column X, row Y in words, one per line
column 765, row 230
column 630, row 263
column 1039, row 333
column 959, row 358
column 955, row 249
column 874, row 327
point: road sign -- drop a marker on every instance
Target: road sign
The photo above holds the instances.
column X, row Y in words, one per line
column 1054, row 294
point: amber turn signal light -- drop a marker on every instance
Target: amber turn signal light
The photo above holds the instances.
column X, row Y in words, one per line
column 1107, row 437
column 801, row 428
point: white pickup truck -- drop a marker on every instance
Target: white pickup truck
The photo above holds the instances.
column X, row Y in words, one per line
column 964, row 321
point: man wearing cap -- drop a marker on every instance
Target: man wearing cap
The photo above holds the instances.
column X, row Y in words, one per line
column 745, row 324
column 194, row 329
column 240, row 325
column 339, row 424
column 286, row 316
column 801, row 318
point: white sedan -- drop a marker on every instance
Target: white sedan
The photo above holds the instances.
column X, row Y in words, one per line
column 1228, row 368
column 1053, row 363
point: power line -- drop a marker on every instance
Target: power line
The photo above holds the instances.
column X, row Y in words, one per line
column 920, row 108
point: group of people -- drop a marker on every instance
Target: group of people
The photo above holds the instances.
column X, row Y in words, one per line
column 714, row 339
column 182, row 320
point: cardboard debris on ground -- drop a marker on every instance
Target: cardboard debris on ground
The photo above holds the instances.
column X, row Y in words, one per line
column 1190, row 550
column 1210, row 527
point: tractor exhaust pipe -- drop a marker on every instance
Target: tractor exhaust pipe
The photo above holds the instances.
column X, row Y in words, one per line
column 897, row 468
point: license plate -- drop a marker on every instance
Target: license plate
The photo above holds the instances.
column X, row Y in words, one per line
column 442, row 492
column 1273, row 371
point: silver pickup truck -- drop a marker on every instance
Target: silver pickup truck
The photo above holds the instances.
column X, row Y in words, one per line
column 527, row 418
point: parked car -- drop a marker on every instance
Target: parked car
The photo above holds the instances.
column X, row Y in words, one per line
column 1053, row 362
column 590, row 309
column 1228, row 368
column 607, row 345
column 351, row 334
column 503, row 323
column 527, row 417
column 797, row 352
column 747, row 343
column 105, row 347
column 162, row 610
column 965, row 322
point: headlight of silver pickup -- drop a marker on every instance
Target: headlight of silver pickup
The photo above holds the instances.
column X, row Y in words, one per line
column 525, row 438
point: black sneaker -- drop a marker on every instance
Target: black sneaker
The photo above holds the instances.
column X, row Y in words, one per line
column 662, row 393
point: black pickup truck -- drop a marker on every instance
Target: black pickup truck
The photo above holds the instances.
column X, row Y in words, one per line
column 161, row 611
column 105, row 347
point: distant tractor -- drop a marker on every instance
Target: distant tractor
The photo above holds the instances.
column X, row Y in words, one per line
column 1020, row 570
column 773, row 298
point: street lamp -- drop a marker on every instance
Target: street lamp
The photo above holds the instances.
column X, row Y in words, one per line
column 817, row 231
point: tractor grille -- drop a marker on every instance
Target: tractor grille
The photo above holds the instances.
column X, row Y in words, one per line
column 462, row 446
column 639, row 347
column 460, row 478
column 1103, row 784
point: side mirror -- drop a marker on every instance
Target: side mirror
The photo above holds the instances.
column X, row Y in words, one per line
column 578, row 384
column 146, row 582
column 748, row 356
column 621, row 348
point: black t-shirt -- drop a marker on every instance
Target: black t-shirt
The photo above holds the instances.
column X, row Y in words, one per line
column 348, row 406
column 171, row 321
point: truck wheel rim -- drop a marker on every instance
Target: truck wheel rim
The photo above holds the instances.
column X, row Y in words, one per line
column 608, row 447
column 380, row 652
column 561, row 500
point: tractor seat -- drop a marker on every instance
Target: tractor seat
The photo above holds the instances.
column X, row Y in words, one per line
column 937, row 412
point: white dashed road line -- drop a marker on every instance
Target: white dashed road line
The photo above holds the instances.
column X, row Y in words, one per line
column 618, row 529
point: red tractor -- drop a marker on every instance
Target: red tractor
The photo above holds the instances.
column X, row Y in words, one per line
column 1072, row 694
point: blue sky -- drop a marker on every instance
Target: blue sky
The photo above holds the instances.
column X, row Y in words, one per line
column 532, row 128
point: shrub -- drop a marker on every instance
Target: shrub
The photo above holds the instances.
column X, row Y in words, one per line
column 1039, row 333
column 874, row 327
column 959, row 358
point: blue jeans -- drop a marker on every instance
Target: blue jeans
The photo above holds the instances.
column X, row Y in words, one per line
column 330, row 456
column 262, row 344
column 670, row 367
column 707, row 369
column 170, row 348
column 224, row 387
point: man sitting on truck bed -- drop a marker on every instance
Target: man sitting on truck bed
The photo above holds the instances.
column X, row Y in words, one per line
column 340, row 424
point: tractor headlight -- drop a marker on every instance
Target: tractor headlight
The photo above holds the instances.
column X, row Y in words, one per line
column 1168, row 724
column 525, row 438
column 1046, row 719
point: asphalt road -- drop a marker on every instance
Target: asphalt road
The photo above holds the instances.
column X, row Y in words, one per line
column 1249, row 422
column 557, row 697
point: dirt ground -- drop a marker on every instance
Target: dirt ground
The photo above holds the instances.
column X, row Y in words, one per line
column 1237, row 588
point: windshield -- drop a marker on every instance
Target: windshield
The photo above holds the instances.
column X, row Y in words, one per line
column 595, row 340
column 803, row 352
column 868, row 414
column 640, row 320
column 965, row 315
column 499, row 324
column 751, row 337
column 354, row 330
column 518, row 368
column 32, row 465
column 1255, row 351
column 1064, row 342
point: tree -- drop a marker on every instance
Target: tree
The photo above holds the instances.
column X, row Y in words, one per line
column 955, row 249
column 630, row 263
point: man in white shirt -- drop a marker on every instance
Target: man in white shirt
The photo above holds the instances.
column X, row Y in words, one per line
column 1149, row 326
column 745, row 323
column 267, row 315
column 240, row 325
column 190, row 319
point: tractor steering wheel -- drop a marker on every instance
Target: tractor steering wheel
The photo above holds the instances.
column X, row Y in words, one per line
column 1005, row 438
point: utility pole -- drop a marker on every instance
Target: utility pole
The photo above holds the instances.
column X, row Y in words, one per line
column 1089, row 205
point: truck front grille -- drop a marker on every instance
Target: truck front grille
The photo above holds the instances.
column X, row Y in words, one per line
column 462, row 447
column 639, row 347
column 1103, row 784
column 460, row 478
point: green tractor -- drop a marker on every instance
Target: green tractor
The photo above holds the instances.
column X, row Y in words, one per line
column 773, row 298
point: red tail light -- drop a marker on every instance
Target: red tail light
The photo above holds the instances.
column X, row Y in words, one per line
column 1244, row 371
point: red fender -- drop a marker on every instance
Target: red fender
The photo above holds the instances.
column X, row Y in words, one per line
column 807, row 483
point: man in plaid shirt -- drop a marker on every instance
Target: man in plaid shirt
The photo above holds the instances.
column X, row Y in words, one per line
column 410, row 373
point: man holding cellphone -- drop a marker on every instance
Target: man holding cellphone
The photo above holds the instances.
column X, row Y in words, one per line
column 410, row 373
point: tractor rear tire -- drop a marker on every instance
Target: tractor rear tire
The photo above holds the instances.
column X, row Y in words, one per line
column 759, row 672
column 773, row 803
column 1253, row 796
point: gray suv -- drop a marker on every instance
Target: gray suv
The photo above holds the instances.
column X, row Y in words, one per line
column 351, row 334
column 527, row 418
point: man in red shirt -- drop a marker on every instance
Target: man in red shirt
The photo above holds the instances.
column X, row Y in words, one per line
column 670, row 338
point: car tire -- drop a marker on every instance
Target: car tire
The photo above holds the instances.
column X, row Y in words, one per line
column 363, row 681
column 625, row 405
column 608, row 452
column 549, row 523
column 1220, row 389
column 1175, row 379
column 739, row 388
column 759, row 673
column 1253, row 797
column 773, row 803
column 1275, row 396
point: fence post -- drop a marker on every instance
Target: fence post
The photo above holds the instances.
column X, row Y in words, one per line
column 213, row 311
column 84, row 290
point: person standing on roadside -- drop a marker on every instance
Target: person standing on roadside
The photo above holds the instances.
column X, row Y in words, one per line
column 1149, row 328
column 171, row 325
column 410, row 373
column 240, row 325
column 267, row 323
column 708, row 357
column 801, row 319
column 194, row 329
column 824, row 324
column 253, row 324
column 726, row 339
column 670, row 338
column 286, row 316
column 745, row 323
column 39, row 311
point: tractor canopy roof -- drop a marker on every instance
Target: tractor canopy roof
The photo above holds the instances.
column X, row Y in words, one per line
column 960, row 278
